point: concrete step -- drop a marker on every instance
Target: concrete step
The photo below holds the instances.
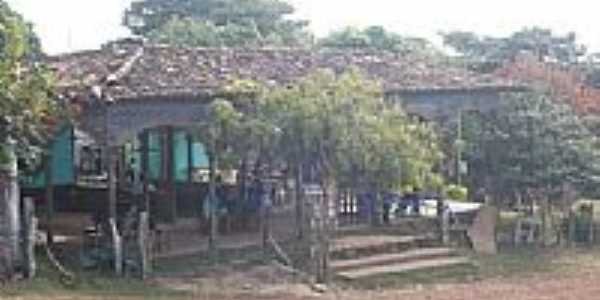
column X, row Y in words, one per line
column 356, row 246
column 398, row 268
column 381, row 259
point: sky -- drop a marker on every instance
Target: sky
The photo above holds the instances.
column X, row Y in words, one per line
column 72, row 25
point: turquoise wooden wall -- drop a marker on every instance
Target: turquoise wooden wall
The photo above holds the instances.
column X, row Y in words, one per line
column 63, row 160
column 63, row 172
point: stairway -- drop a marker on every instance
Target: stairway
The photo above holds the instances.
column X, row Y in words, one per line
column 355, row 257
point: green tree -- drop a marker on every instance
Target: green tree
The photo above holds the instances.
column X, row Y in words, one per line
column 534, row 142
column 230, row 23
column 375, row 37
column 341, row 127
column 539, row 41
column 27, row 105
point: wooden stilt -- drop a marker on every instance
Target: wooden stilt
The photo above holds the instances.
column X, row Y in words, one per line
column 30, row 225
column 142, row 234
column 9, row 196
column 212, row 192
column 117, row 247
column 190, row 158
column 299, row 197
column 145, row 170
column 170, row 179
column 112, row 183
column 49, row 197
column 571, row 229
column 112, row 210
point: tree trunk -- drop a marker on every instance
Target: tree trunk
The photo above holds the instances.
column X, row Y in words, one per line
column 377, row 207
column 299, row 197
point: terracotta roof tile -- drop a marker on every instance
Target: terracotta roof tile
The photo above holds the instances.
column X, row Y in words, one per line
column 162, row 70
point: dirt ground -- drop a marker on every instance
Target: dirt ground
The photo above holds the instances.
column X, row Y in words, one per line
column 552, row 276
column 566, row 276
column 580, row 286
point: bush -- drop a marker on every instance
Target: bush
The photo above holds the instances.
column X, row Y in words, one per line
column 457, row 193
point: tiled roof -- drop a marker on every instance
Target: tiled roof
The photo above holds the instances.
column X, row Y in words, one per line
column 127, row 72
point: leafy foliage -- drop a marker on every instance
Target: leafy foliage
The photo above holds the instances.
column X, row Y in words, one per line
column 337, row 126
column 458, row 193
column 375, row 37
column 229, row 23
column 26, row 103
column 539, row 41
column 534, row 142
column 341, row 127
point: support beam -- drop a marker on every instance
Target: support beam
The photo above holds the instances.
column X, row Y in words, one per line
column 168, row 171
column 190, row 158
column 30, row 224
column 9, row 196
column 142, row 234
column 459, row 149
column 112, row 182
column 145, row 170
column 212, row 192
column 299, row 197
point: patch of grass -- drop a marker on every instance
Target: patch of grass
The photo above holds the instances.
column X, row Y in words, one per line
column 239, row 258
column 515, row 261
column 47, row 284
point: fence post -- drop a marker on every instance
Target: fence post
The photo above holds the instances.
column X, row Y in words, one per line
column 142, row 234
column 591, row 229
column 117, row 247
column 571, row 230
column 319, row 238
column 9, row 199
column 30, row 224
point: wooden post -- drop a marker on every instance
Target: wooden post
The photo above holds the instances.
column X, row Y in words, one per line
column 214, row 222
column 459, row 148
column 112, row 210
column 543, row 231
column 117, row 247
column 190, row 158
column 49, row 197
column 445, row 227
column 299, row 197
column 518, row 232
column 142, row 234
column 170, row 171
column 145, row 165
column 264, row 219
column 318, row 223
column 9, row 197
column 571, row 229
column 112, row 182
column 30, row 225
